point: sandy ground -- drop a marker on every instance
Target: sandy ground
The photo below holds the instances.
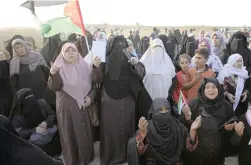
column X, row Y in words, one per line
column 96, row 161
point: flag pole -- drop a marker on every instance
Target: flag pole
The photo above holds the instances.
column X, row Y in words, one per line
column 82, row 25
column 183, row 97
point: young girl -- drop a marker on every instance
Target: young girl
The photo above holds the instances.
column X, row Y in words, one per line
column 184, row 82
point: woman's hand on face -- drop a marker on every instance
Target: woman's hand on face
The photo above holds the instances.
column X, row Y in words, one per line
column 230, row 97
column 143, row 123
column 187, row 112
column 196, row 124
column 43, row 125
column 229, row 127
column 88, row 101
column 239, row 128
column 96, row 61
column 245, row 96
column 54, row 69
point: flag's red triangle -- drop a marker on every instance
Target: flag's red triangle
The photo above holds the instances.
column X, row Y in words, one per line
column 72, row 10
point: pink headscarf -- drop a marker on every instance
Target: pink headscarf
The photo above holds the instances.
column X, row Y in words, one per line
column 201, row 36
column 207, row 43
column 76, row 77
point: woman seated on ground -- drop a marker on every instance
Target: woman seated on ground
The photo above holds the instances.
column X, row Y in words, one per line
column 34, row 120
column 207, row 140
column 160, row 139
column 14, row 150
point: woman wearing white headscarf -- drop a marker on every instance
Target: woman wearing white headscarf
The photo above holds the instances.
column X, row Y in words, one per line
column 158, row 80
column 236, row 82
column 101, row 37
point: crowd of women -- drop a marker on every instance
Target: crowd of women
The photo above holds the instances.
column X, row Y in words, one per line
column 64, row 98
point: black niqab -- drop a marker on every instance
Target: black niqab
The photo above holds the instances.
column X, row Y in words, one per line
column 169, row 44
column 49, row 49
column 144, row 44
column 165, row 135
column 25, row 104
column 116, row 58
column 82, row 46
column 188, row 46
column 238, row 44
column 178, row 36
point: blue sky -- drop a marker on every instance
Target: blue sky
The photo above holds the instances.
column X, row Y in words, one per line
column 146, row 12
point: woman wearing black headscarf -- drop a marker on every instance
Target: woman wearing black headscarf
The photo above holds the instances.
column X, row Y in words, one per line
column 33, row 118
column 160, row 139
column 14, row 150
column 169, row 44
column 49, row 48
column 5, row 88
column 238, row 44
column 119, row 93
column 82, row 46
column 245, row 144
column 207, row 141
column 188, row 46
column 143, row 45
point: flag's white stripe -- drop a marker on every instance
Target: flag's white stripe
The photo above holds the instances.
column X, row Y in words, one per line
column 82, row 8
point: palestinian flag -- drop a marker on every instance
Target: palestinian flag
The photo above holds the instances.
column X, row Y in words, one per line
column 73, row 10
column 71, row 23
column 41, row 3
column 181, row 103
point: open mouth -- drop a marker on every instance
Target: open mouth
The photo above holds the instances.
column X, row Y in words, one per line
column 211, row 94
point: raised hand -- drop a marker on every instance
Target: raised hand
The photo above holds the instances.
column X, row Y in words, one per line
column 187, row 112
column 96, row 61
column 196, row 124
column 54, row 69
column 143, row 123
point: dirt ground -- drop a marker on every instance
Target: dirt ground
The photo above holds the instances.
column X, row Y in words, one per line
column 96, row 161
column 6, row 34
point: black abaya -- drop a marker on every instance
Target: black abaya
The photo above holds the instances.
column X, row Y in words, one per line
column 16, row 151
column 5, row 89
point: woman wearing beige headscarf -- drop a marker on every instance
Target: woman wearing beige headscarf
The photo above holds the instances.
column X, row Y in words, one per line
column 220, row 46
column 71, row 79
column 28, row 69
